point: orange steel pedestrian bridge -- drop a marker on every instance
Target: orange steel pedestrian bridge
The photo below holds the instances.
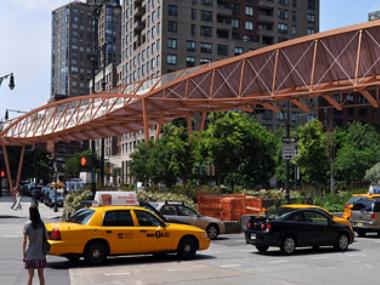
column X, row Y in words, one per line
column 320, row 65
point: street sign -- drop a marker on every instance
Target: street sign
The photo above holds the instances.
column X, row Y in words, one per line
column 289, row 140
column 289, row 151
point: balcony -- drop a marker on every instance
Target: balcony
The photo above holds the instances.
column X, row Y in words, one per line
column 266, row 3
column 140, row 11
column 139, row 27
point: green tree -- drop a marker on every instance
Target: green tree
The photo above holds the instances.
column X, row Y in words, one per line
column 312, row 155
column 241, row 149
column 359, row 150
column 373, row 174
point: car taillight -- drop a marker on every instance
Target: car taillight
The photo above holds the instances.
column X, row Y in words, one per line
column 266, row 227
column 55, row 234
column 373, row 216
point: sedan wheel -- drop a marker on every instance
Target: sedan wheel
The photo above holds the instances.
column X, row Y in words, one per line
column 212, row 231
column 342, row 243
column 288, row 245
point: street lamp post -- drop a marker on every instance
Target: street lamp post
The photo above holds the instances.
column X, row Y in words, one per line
column 11, row 80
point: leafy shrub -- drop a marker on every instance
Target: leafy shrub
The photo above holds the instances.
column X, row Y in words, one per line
column 165, row 196
column 72, row 203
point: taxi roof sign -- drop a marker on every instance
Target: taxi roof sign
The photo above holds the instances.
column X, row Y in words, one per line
column 116, row 198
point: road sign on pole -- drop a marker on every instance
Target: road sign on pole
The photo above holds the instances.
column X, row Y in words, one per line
column 289, row 148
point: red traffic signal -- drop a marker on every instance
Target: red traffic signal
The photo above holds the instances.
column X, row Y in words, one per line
column 83, row 161
column 2, row 173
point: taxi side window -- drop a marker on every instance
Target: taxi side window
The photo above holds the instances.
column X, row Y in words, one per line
column 296, row 217
column 118, row 219
column 169, row 210
column 146, row 219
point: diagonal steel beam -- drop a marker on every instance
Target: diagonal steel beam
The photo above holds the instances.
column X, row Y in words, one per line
column 369, row 98
column 300, row 105
column 333, row 102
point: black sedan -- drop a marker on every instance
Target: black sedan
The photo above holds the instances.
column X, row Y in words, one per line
column 298, row 228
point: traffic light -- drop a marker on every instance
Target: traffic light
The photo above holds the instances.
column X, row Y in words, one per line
column 83, row 161
column 2, row 173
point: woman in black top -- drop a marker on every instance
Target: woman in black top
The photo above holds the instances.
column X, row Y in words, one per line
column 32, row 245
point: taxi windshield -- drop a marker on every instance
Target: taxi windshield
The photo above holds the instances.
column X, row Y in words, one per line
column 81, row 216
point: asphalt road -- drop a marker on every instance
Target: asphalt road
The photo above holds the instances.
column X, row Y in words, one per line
column 228, row 261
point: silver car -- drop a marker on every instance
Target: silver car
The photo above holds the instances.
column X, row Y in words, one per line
column 365, row 215
column 182, row 214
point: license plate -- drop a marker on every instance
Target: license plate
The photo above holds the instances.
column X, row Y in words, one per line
column 359, row 225
column 253, row 236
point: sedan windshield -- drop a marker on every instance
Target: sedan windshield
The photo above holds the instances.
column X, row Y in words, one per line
column 81, row 216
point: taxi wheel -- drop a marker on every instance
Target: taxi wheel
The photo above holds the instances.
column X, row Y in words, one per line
column 288, row 245
column 212, row 231
column 342, row 242
column 95, row 253
column 187, row 248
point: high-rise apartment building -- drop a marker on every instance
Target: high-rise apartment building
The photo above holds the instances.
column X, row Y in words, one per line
column 79, row 45
column 162, row 36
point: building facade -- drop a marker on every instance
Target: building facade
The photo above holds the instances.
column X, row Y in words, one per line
column 162, row 36
column 85, row 37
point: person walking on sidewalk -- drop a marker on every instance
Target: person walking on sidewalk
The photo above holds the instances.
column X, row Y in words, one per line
column 32, row 245
column 17, row 202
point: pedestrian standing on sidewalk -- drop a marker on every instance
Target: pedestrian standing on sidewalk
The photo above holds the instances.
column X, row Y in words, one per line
column 17, row 202
column 32, row 245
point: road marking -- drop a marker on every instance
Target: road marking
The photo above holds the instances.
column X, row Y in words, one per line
column 246, row 250
column 117, row 274
column 356, row 254
column 239, row 240
column 172, row 269
column 230, row 265
column 368, row 265
column 278, row 261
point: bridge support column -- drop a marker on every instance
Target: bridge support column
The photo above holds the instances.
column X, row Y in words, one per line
column 20, row 162
column 158, row 131
column 203, row 121
column 189, row 122
column 145, row 120
column 7, row 167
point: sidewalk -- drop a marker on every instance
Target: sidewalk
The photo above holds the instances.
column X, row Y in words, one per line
column 6, row 211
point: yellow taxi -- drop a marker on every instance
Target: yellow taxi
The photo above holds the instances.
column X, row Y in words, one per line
column 347, row 212
column 97, row 232
column 307, row 206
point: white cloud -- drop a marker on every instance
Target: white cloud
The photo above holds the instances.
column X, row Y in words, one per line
column 41, row 5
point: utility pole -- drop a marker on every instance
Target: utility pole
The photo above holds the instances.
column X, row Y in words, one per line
column 287, row 169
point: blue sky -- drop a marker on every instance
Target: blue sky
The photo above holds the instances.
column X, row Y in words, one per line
column 26, row 34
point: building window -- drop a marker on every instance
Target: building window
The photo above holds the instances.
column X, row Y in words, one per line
column 190, row 61
column 172, row 10
column 193, row 29
column 310, row 31
column 283, row 2
column 294, row 30
column 172, row 26
column 193, row 14
column 235, row 23
column 283, row 14
column 282, row 28
column 206, row 47
column 190, row 45
column 249, row 25
column 310, row 18
column 222, row 50
column 206, row 31
column 238, row 50
column 311, row 4
column 207, row 3
column 249, row 11
column 204, row 60
column 206, row 16
column 171, row 59
column 172, row 43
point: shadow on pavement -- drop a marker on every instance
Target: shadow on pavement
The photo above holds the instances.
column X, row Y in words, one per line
column 129, row 260
column 305, row 251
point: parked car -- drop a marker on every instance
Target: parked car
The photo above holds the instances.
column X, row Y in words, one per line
column 182, row 214
column 365, row 215
column 293, row 228
column 44, row 193
column 50, row 198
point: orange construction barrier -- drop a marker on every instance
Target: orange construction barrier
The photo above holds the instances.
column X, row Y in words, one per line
column 229, row 207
